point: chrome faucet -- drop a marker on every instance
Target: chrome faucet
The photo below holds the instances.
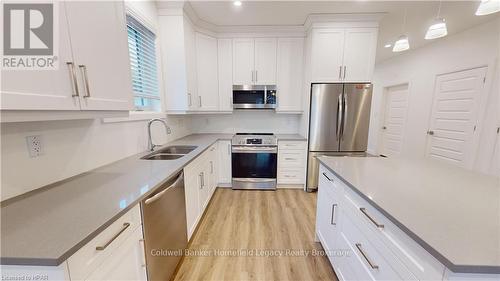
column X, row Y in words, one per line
column 152, row 146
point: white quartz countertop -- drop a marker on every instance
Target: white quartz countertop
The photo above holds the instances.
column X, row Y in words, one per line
column 46, row 226
column 452, row 212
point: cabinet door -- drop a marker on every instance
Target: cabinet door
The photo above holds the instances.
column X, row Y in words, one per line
column 46, row 90
column 205, row 190
column 265, row 61
column 290, row 74
column 206, row 61
column 191, row 75
column 213, row 168
column 224, row 162
column 359, row 54
column 225, row 70
column 327, row 215
column 126, row 263
column 192, row 185
column 327, row 55
column 99, row 39
column 243, row 61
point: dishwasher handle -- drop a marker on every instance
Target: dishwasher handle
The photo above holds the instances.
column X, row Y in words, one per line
column 160, row 194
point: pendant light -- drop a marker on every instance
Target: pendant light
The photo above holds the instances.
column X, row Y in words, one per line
column 438, row 27
column 488, row 7
column 402, row 44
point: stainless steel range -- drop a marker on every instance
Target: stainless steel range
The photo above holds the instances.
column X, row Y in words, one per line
column 254, row 161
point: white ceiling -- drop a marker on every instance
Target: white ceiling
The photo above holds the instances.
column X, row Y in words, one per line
column 459, row 16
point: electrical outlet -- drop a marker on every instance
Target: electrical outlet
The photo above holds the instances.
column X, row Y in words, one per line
column 35, row 147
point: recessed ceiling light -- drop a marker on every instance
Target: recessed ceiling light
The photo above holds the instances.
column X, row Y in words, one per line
column 237, row 3
column 388, row 45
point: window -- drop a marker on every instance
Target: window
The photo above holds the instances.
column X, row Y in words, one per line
column 142, row 50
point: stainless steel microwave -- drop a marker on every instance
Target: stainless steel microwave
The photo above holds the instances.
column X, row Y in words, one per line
column 254, row 96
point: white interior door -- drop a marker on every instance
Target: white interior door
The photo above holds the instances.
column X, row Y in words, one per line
column 98, row 35
column 454, row 116
column 393, row 129
column 265, row 61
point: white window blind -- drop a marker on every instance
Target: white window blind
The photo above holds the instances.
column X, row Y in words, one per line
column 141, row 45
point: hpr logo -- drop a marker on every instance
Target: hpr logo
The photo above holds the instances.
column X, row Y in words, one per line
column 28, row 29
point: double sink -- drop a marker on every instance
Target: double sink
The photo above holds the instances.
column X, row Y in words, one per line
column 170, row 152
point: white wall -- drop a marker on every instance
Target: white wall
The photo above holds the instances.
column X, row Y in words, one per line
column 478, row 46
column 246, row 121
column 76, row 146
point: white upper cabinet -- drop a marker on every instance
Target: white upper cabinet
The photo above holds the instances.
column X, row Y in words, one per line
column 207, row 82
column 225, row 71
column 327, row 54
column 359, row 54
column 265, row 61
column 243, row 61
column 94, row 69
column 254, row 61
column 343, row 54
column 290, row 74
column 177, row 44
column 101, row 52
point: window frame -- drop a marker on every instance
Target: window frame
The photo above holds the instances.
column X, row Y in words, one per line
column 153, row 29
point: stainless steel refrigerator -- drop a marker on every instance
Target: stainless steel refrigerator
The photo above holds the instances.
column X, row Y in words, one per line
column 338, row 123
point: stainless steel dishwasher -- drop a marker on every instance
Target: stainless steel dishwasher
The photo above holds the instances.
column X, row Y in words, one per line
column 165, row 230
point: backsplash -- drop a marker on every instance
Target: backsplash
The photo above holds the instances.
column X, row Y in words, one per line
column 72, row 147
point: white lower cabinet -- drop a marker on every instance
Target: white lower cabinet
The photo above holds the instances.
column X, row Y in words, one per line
column 291, row 163
column 117, row 253
column 199, row 183
column 224, row 158
column 363, row 248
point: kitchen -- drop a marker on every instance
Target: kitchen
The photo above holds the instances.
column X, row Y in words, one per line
column 208, row 103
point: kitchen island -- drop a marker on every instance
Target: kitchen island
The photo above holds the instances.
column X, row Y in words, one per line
column 447, row 216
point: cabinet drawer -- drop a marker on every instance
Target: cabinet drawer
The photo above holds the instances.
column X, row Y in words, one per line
column 292, row 145
column 291, row 175
column 294, row 158
column 88, row 258
column 375, row 259
column 422, row 264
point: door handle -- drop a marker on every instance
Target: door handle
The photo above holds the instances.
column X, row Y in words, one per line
column 72, row 75
column 363, row 210
column 344, row 116
column 124, row 227
column 340, row 72
column 211, row 167
column 339, row 117
column 190, row 103
column 201, row 180
column 345, row 70
column 199, row 100
column 324, row 174
column 370, row 263
column 83, row 70
column 160, row 194
column 333, row 215
column 430, row 133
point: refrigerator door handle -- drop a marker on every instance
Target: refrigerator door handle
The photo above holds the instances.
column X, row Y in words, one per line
column 344, row 115
column 338, row 125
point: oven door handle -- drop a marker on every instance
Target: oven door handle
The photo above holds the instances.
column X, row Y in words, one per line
column 252, row 149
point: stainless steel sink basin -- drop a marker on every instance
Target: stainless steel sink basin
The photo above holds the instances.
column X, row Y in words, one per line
column 177, row 149
column 162, row 156
column 170, row 152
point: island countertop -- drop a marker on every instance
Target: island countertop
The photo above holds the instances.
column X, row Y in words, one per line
column 452, row 212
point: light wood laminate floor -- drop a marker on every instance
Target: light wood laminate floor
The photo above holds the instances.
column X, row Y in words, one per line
column 264, row 223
